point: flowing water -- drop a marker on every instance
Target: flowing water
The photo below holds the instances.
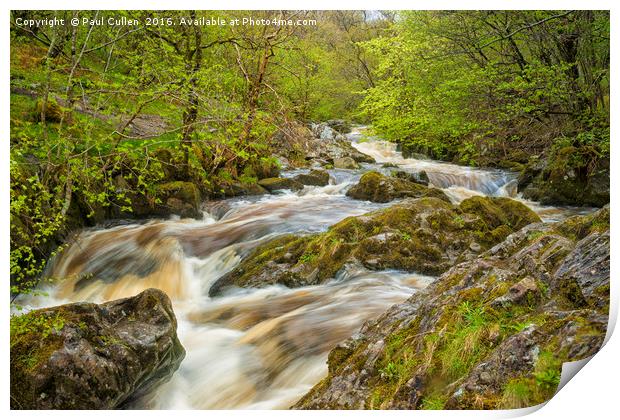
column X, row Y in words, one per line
column 256, row 348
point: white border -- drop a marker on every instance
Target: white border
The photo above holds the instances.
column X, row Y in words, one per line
column 591, row 394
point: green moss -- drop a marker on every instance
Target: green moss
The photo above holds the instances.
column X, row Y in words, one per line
column 516, row 394
column 498, row 211
column 434, row 402
column 307, row 258
column 374, row 186
column 35, row 336
column 535, row 388
column 53, row 111
column 425, row 235
column 185, row 191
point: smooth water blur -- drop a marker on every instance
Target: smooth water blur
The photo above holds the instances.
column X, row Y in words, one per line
column 256, row 348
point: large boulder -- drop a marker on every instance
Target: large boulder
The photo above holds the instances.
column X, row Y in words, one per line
column 315, row 177
column 89, row 356
column 324, row 131
column 236, row 188
column 300, row 146
column 426, row 235
column 490, row 333
column 276, row 184
column 379, row 188
column 566, row 178
column 330, row 144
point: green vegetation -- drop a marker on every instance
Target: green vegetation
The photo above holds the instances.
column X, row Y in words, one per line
column 494, row 87
column 100, row 132
column 535, row 388
column 34, row 336
column 108, row 120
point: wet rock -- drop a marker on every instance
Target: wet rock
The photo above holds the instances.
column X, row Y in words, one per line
column 423, row 152
column 416, row 177
column 389, row 165
column 180, row 198
column 584, row 273
column 276, row 184
column 345, row 163
column 485, row 378
column 475, row 246
column 301, row 146
column 426, row 235
column 379, row 188
column 451, row 345
column 237, row 189
column 315, row 177
column 89, row 356
column 330, row 144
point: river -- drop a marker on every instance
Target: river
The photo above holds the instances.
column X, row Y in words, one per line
column 257, row 348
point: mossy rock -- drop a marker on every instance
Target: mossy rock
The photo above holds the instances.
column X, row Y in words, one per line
column 490, row 333
column 236, row 189
column 420, row 177
column 345, row 162
column 179, row 197
column 53, row 112
column 376, row 187
column 426, row 235
column 315, row 177
column 498, row 211
column 88, row 356
column 276, row 184
column 571, row 175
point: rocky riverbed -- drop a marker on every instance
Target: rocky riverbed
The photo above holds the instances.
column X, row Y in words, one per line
column 355, row 278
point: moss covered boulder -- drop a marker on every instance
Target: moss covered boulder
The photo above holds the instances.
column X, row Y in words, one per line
column 379, row 188
column 490, row 333
column 89, row 356
column 236, row 189
column 570, row 176
column 277, row 184
column 315, row 177
column 426, row 235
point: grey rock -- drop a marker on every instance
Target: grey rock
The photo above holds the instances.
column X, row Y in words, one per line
column 97, row 356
